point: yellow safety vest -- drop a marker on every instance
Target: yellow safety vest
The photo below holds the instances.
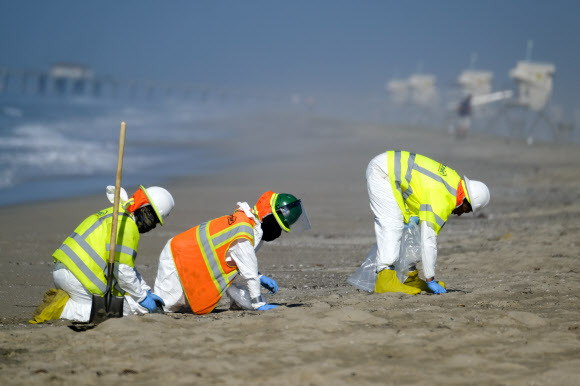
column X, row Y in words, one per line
column 85, row 251
column 423, row 187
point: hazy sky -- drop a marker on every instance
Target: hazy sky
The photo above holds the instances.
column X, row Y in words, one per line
column 294, row 45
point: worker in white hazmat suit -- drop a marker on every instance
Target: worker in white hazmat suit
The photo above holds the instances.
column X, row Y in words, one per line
column 81, row 261
column 198, row 266
column 405, row 187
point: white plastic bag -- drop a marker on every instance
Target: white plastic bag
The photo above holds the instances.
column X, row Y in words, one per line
column 410, row 253
column 365, row 277
column 240, row 298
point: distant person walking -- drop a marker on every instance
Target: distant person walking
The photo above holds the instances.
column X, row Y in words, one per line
column 463, row 118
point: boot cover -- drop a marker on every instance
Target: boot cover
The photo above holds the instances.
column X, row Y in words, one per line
column 414, row 281
column 387, row 282
column 52, row 306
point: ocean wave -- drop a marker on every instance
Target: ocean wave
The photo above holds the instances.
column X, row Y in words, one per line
column 51, row 142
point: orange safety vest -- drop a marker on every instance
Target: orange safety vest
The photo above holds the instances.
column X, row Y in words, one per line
column 200, row 258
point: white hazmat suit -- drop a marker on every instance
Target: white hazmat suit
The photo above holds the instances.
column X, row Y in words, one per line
column 78, row 307
column 389, row 220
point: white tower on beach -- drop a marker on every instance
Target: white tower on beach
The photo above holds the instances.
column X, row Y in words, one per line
column 423, row 90
column 535, row 83
column 475, row 83
column 398, row 91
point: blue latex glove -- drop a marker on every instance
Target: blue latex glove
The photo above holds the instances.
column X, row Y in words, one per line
column 269, row 284
column 267, row 307
column 151, row 302
column 436, row 287
column 413, row 220
column 156, row 298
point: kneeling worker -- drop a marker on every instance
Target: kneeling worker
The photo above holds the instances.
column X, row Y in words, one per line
column 81, row 261
column 197, row 266
column 406, row 187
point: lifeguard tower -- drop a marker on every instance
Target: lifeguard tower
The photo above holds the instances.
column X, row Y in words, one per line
column 475, row 83
column 414, row 99
column 423, row 91
column 478, row 84
column 472, row 96
column 398, row 90
column 535, row 83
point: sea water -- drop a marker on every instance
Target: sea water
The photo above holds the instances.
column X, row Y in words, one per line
column 55, row 148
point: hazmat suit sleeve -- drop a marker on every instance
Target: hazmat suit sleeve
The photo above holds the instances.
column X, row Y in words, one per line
column 244, row 255
column 428, row 249
column 131, row 282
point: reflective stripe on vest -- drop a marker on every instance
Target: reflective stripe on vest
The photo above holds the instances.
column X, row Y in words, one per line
column 408, row 174
column 200, row 258
column 401, row 184
column 96, row 281
column 91, row 271
column 438, row 220
column 211, row 243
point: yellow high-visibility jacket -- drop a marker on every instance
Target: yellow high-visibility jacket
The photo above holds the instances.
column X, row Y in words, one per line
column 423, row 187
column 86, row 251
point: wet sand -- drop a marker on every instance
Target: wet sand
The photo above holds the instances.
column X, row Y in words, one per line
column 512, row 314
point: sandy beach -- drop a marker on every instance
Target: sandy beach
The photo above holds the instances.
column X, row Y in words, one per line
column 511, row 317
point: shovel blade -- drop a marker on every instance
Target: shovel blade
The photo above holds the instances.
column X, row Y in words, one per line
column 106, row 307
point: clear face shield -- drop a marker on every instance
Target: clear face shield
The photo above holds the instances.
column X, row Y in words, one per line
column 293, row 217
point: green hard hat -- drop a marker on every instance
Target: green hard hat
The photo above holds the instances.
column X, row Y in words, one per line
column 287, row 210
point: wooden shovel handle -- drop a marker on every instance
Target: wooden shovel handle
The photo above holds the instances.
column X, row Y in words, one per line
column 117, row 195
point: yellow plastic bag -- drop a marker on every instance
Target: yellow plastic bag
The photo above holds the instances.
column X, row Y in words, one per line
column 52, row 306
